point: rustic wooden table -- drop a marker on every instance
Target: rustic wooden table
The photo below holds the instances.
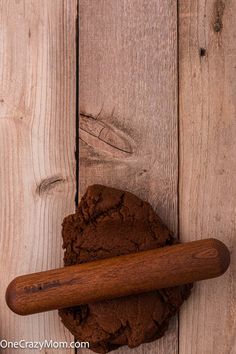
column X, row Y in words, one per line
column 154, row 85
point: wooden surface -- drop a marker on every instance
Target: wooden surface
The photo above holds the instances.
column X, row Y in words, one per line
column 128, row 106
column 208, row 164
column 37, row 138
column 131, row 136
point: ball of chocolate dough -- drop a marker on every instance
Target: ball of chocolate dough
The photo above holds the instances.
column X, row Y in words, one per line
column 111, row 222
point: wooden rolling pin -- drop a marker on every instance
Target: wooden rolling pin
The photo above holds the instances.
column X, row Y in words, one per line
column 117, row 276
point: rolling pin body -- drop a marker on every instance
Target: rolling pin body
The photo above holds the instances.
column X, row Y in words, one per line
column 118, row 276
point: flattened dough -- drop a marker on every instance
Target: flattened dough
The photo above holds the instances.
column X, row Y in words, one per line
column 111, row 222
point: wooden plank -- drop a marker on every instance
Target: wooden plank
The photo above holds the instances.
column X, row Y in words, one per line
column 37, row 136
column 128, row 106
column 208, row 165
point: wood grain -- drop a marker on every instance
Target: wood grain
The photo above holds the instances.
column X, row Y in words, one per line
column 37, row 136
column 207, row 65
column 128, row 106
column 119, row 276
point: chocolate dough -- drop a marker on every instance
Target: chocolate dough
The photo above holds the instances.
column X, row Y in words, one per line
column 110, row 222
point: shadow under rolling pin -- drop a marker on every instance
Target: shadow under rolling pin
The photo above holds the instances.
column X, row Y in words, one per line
column 117, row 276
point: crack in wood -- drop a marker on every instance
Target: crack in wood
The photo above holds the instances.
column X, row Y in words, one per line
column 219, row 12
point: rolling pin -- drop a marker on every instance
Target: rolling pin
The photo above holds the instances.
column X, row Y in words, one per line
column 117, row 276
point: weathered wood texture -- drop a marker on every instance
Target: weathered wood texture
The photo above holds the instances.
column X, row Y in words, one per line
column 37, row 136
column 128, row 106
column 208, row 164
